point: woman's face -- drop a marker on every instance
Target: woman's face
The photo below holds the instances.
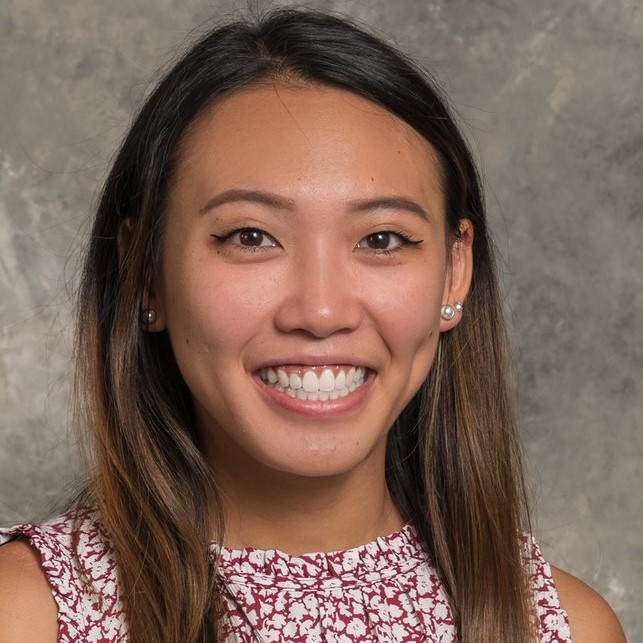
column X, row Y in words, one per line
column 303, row 270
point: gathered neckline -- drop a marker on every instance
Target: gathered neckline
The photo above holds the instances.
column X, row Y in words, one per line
column 383, row 557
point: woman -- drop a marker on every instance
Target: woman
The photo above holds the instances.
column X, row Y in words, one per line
column 290, row 341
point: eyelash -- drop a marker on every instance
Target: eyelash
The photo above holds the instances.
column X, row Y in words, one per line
column 226, row 238
column 406, row 241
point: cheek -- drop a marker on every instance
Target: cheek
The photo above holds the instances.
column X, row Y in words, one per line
column 213, row 311
column 409, row 322
column 408, row 308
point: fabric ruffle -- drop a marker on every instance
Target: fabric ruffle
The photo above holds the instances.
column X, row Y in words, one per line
column 381, row 591
column 384, row 557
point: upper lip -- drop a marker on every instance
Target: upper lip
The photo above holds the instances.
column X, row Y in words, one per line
column 316, row 360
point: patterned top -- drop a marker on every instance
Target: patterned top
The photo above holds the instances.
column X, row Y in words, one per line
column 384, row 591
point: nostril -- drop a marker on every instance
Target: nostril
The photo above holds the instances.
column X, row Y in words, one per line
column 318, row 321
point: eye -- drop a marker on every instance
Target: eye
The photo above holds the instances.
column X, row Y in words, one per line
column 247, row 238
column 385, row 241
column 252, row 237
column 380, row 241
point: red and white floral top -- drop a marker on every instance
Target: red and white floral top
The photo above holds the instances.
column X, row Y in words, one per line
column 383, row 591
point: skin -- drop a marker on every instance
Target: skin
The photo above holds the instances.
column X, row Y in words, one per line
column 313, row 290
column 314, row 480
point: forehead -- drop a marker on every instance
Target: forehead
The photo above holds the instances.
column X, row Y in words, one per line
column 308, row 141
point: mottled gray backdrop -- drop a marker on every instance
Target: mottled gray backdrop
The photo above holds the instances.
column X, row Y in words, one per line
column 551, row 96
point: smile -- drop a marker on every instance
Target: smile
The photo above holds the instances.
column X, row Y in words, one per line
column 314, row 383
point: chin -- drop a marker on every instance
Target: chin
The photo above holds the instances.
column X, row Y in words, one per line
column 319, row 461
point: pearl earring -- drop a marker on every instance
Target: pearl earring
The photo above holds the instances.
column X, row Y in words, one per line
column 447, row 311
column 149, row 316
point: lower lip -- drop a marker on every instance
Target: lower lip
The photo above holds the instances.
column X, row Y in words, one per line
column 330, row 408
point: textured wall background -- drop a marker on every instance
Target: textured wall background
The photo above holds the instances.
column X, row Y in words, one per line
column 551, row 93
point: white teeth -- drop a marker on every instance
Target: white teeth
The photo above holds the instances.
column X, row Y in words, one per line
column 283, row 378
column 310, row 382
column 310, row 386
column 327, row 381
column 295, row 381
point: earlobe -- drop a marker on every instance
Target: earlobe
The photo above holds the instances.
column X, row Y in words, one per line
column 151, row 321
column 150, row 315
column 459, row 277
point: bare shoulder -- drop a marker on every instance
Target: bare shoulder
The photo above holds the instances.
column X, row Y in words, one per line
column 590, row 617
column 28, row 612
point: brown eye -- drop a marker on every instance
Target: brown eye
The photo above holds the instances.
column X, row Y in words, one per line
column 247, row 239
column 379, row 240
column 382, row 241
column 251, row 238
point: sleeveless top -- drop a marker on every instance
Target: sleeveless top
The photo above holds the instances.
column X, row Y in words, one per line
column 384, row 591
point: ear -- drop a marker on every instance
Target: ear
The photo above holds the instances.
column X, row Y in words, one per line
column 459, row 274
column 149, row 300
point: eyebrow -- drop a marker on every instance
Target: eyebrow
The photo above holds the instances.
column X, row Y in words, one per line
column 253, row 196
column 276, row 201
column 390, row 203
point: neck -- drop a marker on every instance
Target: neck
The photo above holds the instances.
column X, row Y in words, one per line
column 267, row 509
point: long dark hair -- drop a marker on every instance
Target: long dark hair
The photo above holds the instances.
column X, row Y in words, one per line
column 453, row 460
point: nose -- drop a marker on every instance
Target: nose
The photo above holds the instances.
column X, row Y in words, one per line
column 322, row 296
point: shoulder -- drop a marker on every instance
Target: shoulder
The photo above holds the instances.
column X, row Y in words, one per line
column 27, row 609
column 590, row 617
column 68, row 564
